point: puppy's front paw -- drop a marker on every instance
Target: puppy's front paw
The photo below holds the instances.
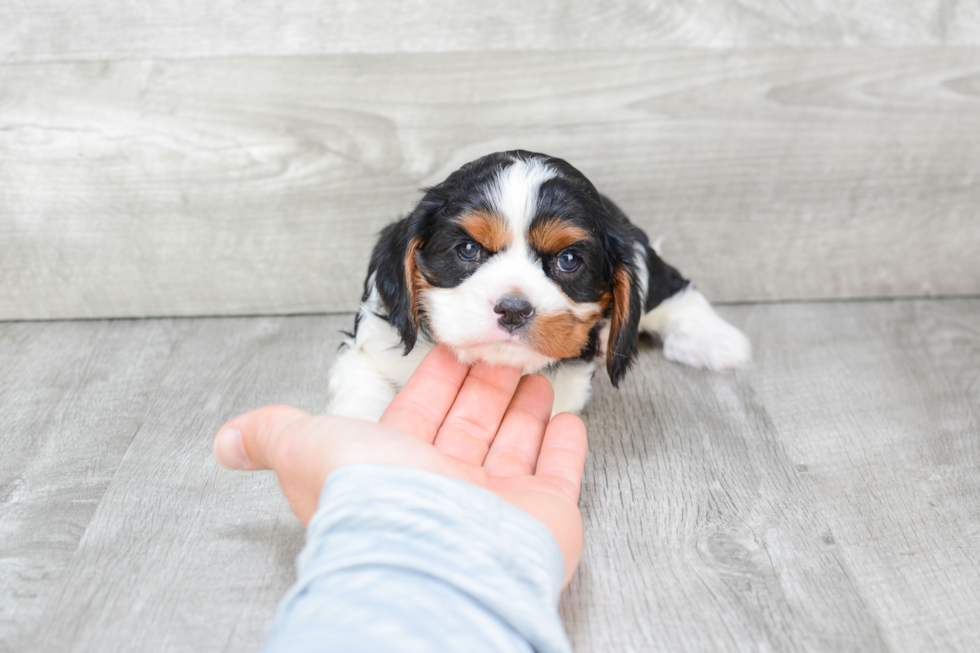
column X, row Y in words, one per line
column 708, row 342
column 695, row 335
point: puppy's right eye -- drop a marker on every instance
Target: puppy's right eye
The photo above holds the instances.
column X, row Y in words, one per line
column 468, row 251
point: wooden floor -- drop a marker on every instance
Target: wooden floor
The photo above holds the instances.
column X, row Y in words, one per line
column 828, row 499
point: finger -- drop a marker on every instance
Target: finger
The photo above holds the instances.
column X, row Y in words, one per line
column 562, row 457
column 420, row 408
column 515, row 450
column 249, row 441
column 472, row 422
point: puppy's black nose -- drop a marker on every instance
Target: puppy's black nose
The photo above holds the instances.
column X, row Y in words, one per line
column 514, row 312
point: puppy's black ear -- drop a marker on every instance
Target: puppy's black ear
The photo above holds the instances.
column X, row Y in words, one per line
column 396, row 276
column 624, row 322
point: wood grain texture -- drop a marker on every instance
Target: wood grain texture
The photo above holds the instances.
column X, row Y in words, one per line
column 46, row 30
column 830, row 493
column 72, row 398
column 257, row 186
column 172, row 554
column 823, row 500
column 879, row 405
column 701, row 534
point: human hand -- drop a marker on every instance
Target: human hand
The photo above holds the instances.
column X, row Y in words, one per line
column 482, row 425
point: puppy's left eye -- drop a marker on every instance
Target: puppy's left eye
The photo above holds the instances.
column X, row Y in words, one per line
column 468, row 251
column 568, row 262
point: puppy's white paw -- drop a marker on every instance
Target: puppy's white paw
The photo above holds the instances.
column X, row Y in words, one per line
column 695, row 335
column 713, row 344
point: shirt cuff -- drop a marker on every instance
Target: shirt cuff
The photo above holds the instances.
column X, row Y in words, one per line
column 463, row 538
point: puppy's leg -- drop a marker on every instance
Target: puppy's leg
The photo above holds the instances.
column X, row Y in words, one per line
column 572, row 383
column 692, row 332
column 357, row 388
column 371, row 368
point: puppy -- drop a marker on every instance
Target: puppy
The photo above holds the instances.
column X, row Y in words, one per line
column 516, row 259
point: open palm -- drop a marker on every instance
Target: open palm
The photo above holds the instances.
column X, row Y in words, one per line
column 483, row 425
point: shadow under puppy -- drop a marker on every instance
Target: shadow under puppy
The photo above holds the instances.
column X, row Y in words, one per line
column 516, row 259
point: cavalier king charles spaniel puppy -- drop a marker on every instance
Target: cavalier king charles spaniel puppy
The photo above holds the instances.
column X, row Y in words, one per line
column 516, row 259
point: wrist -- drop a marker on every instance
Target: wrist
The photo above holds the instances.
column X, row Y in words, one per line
column 562, row 519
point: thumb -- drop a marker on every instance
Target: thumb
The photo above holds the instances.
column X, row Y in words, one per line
column 249, row 441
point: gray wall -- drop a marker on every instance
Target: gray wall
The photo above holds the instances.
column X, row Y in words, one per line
column 240, row 157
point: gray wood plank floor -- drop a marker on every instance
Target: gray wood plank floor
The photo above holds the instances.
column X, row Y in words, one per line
column 826, row 499
column 258, row 185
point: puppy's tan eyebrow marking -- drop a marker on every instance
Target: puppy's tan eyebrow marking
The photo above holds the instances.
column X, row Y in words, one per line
column 554, row 235
column 488, row 229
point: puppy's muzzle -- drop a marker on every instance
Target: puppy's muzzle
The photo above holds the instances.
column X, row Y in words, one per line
column 514, row 311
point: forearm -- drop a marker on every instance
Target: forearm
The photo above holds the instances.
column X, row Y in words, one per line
column 403, row 560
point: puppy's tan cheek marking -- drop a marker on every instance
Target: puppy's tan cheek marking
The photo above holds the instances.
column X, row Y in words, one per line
column 555, row 235
column 488, row 229
column 561, row 336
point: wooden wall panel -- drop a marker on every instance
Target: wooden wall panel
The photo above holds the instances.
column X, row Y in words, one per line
column 245, row 186
column 52, row 30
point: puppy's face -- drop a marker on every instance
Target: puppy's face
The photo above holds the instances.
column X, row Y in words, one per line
column 512, row 260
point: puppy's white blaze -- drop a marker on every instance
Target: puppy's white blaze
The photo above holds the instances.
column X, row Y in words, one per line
column 514, row 193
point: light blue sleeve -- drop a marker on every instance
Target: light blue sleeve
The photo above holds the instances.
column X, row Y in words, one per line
column 398, row 559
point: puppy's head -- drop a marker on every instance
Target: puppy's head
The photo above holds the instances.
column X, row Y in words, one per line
column 513, row 260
